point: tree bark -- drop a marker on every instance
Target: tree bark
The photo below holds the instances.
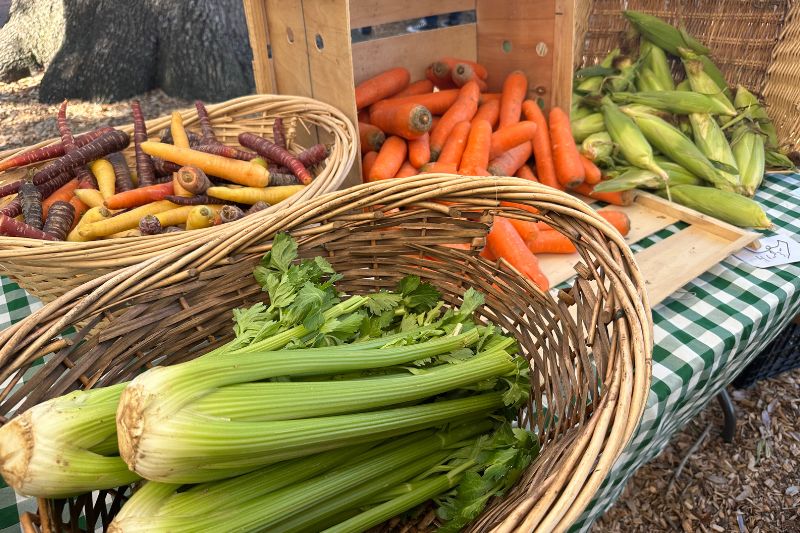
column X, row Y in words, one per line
column 109, row 50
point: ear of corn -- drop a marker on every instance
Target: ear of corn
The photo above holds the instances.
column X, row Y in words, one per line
column 683, row 86
column 625, row 79
column 748, row 149
column 578, row 111
column 702, row 83
column 746, row 101
column 655, row 60
column 727, row 206
column 675, row 145
column 661, row 34
column 715, row 74
column 634, row 178
column 592, row 84
column 583, row 127
column 710, row 139
column 678, row 102
column 778, row 160
column 632, row 144
column 646, row 81
column 597, row 146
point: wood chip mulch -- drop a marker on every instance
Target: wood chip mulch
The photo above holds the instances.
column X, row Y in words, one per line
column 751, row 485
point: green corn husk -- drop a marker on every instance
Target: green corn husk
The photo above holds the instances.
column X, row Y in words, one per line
column 578, row 111
column 710, row 139
column 748, row 149
column 679, row 148
column 678, row 102
column 625, row 134
column 702, row 83
column 646, row 81
column 685, row 126
column 592, row 84
column 779, row 161
column 747, row 101
column 715, row 74
column 638, row 178
column 625, row 80
column 727, row 206
column 663, row 35
column 583, row 127
column 597, row 146
column 683, row 86
column 655, row 60
column 674, row 169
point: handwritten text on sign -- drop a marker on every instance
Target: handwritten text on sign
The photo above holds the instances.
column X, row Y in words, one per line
column 774, row 250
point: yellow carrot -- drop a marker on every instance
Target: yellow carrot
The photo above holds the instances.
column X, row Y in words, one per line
column 174, row 217
column 123, row 221
column 95, row 214
column 104, row 174
column 91, row 197
column 179, row 137
column 126, row 233
column 251, row 195
column 200, row 216
column 179, row 189
column 241, row 172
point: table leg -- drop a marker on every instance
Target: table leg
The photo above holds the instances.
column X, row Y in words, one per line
column 729, row 416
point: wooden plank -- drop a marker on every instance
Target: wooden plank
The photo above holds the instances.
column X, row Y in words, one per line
column 289, row 49
column 711, row 224
column 255, row 12
column 563, row 52
column 670, row 264
column 375, row 12
column 327, row 33
column 415, row 51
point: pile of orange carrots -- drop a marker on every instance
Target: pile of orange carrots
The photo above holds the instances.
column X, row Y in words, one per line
column 449, row 123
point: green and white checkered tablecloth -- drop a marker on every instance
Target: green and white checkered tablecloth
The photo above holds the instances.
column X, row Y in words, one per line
column 705, row 334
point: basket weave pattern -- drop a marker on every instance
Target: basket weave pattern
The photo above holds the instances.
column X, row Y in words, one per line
column 48, row 269
column 754, row 42
column 589, row 345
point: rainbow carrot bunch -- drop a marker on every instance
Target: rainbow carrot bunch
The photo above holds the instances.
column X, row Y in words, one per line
column 86, row 189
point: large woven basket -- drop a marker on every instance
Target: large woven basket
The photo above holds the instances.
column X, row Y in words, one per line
column 589, row 345
column 49, row 269
column 755, row 43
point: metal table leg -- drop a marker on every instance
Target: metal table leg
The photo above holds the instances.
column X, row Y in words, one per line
column 729, row 415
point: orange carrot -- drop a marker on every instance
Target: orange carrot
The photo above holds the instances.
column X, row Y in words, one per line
column 381, row 86
column 590, row 170
column 488, row 97
column 474, row 171
column 454, row 145
column 476, row 153
column 507, row 138
column 363, row 115
column 487, row 254
column 446, row 65
column 241, row 172
column 438, row 168
column 437, row 103
column 542, row 150
column 62, row 194
column 463, row 72
column 435, row 120
column 366, row 165
column 371, row 137
column 179, row 137
column 505, row 242
column 618, row 219
column 418, row 87
column 406, row 170
column 551, row 242
column 614, row 198
column 389, row 160
column 527, row 230
column 140, row 196
column 566, row 158
column 419, row 151
column 464, row 108
column 514, row 90
column 80, row 209
column 407, row 120
column 526, row 173
column 507, row 163
column 442, row 83
column 489, row 111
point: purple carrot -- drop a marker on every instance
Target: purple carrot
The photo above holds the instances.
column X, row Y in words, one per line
column 230, row 213
column 85, row 177
column 277, row 154
column 122, row 174
column 205, row 123
column 194, row 139
column 313, row 155
column 226, row 151
column 113, row 141
column 144, row 165
column 278, row 133
column 52, row 151
column 150, row 225
column 31, row 200
column 200, row 199
column 59, row 219
column 14, row 207
column 281, row 178
column 15, row 228
column 256, row 207
column 164, row 168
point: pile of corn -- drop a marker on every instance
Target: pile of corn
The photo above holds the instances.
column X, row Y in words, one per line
column 697, row 142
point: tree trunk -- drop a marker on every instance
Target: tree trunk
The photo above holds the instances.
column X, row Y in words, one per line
column 109, row 50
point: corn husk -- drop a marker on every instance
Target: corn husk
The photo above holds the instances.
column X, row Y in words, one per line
column 627, row 136
column 702, row 83
column 583, row 127
column 638, row 178
column 748, row 149
column 593, row 83
column 646, row 81
column 655, row 61
column 710, row 139
column 661, row 34
column 715, row 74
column 597, row 146
column 724, row 205
column 746, row 101
column 677, row 102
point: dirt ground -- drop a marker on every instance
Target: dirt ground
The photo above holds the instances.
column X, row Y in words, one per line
column 751, row 485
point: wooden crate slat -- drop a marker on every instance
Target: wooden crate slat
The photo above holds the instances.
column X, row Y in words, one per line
column 258, row 31
column 376, row 12
column 289, row 48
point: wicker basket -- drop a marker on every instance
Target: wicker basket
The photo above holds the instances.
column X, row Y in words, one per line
column 754, row 43
column 176, row 306
column 49, row 269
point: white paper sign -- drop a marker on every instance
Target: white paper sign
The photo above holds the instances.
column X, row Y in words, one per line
column 774, row 250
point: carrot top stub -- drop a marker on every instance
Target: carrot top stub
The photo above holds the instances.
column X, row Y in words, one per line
column 233, row 170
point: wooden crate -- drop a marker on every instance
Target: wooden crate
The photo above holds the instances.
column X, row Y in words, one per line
column 668, row 264
column 312, row 54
